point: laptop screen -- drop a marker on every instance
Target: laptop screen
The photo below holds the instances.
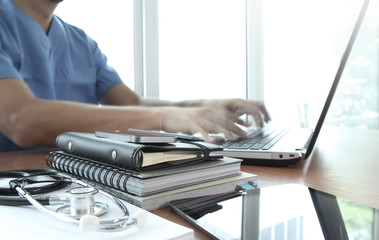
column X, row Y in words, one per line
column 310, row 144
column 302, row 46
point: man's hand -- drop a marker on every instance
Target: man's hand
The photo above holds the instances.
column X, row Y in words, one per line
column 214, row 116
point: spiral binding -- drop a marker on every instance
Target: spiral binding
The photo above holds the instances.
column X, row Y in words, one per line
column 110, row 176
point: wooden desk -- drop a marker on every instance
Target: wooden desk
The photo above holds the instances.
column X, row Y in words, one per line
column 344, row 163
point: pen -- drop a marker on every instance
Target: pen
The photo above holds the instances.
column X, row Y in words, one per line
column 178, row 136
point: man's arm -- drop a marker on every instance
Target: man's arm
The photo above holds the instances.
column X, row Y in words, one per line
column 202, row 116
column 29, row 121
column 120, row 95
column 224, row 112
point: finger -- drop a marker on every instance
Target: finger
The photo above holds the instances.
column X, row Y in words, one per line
column 233, row 133
column 263, row 110
column 210, row 125
column 245, row 106
column 242, row 122
column 196, row 128
column 207, row 137
column 209, row 122
column 231, row 136
column 256, row 116
column 230, row 130
column 236, row 118
column 257, row 110
column 258, row 120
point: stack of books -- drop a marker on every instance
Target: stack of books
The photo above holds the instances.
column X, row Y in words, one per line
column 147, row 175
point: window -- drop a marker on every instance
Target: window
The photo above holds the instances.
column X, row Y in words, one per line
column 302, row 49
column 202, row 49
column 286, row 52
column 356, row 103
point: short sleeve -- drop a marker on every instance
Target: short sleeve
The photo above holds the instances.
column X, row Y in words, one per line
column 106, row 76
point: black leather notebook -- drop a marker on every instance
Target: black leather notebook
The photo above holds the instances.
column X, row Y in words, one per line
column 135, row 156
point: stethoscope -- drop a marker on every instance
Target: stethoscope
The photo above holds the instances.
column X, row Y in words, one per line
column 79, row 206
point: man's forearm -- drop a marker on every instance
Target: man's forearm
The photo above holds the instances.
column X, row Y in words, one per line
column 41, row 121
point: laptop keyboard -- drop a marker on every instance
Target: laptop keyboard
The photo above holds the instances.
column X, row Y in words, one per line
column 259, row 139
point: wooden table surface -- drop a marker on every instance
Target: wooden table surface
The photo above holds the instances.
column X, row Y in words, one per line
column 344, row 162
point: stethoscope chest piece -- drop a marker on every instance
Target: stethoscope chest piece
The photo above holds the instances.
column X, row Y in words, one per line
column 79, row 205
column 82, row 202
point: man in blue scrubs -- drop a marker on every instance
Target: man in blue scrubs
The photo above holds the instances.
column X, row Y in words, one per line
column 54, row 79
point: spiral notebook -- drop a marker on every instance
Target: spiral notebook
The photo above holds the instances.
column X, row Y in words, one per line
column 144, row 183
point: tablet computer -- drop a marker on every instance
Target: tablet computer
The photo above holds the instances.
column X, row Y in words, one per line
column 137, row 137
column 290, row 211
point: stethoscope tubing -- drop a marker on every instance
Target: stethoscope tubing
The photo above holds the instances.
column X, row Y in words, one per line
column 17, row 201
column 23, row 173
column 40, row 207
column 8, row 197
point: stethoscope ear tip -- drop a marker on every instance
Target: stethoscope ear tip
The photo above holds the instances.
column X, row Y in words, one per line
column 140, row 217
column 89, row 223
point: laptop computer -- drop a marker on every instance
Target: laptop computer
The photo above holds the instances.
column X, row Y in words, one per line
column 282, row 147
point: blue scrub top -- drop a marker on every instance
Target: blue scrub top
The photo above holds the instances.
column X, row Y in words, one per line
column 65, row 64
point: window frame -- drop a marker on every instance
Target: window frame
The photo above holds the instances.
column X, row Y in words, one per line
column 146, row 56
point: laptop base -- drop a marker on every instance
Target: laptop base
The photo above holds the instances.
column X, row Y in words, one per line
column 271, row 163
